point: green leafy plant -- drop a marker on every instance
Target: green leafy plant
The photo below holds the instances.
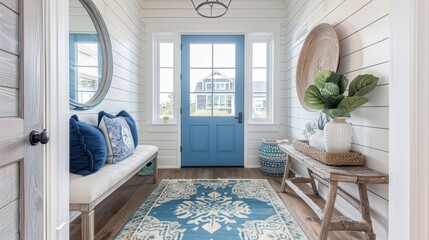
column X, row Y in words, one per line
column 327, row 93
column 166, row 118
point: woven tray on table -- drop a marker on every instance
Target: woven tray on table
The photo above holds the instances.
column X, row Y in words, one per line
column 337, row 159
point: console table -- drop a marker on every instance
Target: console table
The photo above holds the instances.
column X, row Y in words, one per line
column 331, row 176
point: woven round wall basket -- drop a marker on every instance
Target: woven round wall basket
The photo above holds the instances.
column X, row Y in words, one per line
column 321, row 51
column 271, row 158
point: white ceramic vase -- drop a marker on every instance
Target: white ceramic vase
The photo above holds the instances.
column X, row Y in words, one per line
column 317, row 140
column 338, row 135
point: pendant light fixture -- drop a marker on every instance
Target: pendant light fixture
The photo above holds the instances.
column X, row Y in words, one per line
column 211, row 8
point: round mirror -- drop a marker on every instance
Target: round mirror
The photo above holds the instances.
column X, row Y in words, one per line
column 90, row 55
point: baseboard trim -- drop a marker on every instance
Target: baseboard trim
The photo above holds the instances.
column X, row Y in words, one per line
column 252, row 166
column 167, row 167
column 175, row 167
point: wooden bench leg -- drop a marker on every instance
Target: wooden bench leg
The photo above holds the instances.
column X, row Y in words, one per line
column 329, row 210
column 155, row 169
column 288, row 164
column 87, row 225
column 364, row 209
column 313, row 183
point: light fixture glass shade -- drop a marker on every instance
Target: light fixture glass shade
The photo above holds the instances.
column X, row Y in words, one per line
column 211, row 8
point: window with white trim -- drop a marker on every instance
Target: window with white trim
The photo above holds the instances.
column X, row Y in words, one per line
column 164, row 73
column 261, row 78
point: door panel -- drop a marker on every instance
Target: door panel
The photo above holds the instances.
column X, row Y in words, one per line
column 21, row 95
column 9, row 21
column 225, row 137
column 9, row 69
column 9, row 184
column 9, row 220
column 11, row 146
column 11, row 125
column 9, row 202
column 212, row 95
column 199, row 139
column 8, row 99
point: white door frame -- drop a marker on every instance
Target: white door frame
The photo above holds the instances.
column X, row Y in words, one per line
column 409, row 120
column 56, row 29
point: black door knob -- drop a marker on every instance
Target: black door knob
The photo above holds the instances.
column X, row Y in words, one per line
column 36, row 137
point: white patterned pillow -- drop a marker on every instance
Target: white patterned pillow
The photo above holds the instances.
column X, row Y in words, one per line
column 118, row 136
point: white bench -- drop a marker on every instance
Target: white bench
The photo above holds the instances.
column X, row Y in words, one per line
column 88, row 191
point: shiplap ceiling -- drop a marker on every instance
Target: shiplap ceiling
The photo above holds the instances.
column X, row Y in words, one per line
column 270, row 9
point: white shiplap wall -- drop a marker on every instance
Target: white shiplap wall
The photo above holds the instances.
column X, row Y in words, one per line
column 244, row 17
column 165, row 137
column 127, row 92
column 363, row 30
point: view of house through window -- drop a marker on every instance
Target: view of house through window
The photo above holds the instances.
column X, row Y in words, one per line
column 212, row 78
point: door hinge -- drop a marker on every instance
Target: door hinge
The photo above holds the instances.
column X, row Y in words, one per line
column 180, row 47
column 180, row 76
column 180, row 148
column 180, row 110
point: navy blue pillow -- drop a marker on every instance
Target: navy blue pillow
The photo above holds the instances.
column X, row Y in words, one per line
column 130, row 120
column 88, row 148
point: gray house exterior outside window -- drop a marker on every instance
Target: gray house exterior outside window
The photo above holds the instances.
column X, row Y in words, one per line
column 217, row 92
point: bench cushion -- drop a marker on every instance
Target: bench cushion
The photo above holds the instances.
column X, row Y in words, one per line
column 86, row 189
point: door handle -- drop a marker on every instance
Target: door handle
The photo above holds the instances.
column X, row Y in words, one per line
column 36, row 137
column 239, row 117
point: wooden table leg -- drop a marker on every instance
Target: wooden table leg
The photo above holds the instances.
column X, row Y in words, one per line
column 364, row 209
column 155, row 169
column 288, row 164
column 329, row 210
column 313, row 183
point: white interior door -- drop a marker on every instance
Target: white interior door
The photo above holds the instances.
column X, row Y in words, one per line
column 22, row 200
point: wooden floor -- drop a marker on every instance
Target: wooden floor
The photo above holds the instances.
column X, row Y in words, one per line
column 114, row 211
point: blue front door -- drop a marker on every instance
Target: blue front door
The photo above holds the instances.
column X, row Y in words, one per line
column 212, row 100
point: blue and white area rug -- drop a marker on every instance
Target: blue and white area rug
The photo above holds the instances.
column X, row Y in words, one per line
column 212, row 209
